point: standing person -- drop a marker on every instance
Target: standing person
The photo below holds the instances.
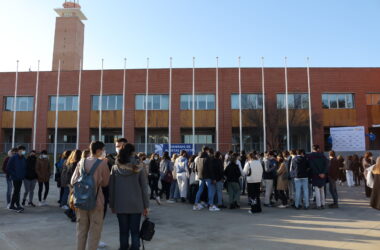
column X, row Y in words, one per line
column 203, row 168
column 128, row 174
column 90, row 222
column 30, row 178
column 289, row 166
column 333, row 177
column 233, row 173
column 375, row 194
column 318, row 165
column 254, row 172
column 367, row 162
column 166, row 175
column 181, row 166
column 300, row 173
column 243, row 178
column 16, row 168
column 58, row 171
column 174, row 190
column 219, row 178
column 153, row 177
column 349, row 167
column 11, row 153
column 282, row 181
column 356, row 169
column 67, row 172
column 270, row 169
column 43, row 176
column 342, row 174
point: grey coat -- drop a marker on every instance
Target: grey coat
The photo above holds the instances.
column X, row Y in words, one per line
column 128, row 188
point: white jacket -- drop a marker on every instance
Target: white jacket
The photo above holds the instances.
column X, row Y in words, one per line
column 256, row 171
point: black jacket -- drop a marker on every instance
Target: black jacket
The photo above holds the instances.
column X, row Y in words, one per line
column 203, row 167
column 300, row 167
column 154, row 168
column 232, row 172
column 31, row 168
column 218, row 168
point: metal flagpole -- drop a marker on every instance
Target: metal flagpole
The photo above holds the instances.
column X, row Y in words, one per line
column 263, row 98
column 15, row 107
column 123, row 109
column 146, row 105
column 217, row 104
column 79, row 95
column 193, row 107
column 240, row 113
column 287, row 105
column 310, row 115
column 56, row 113
column 36, row 105
column 170, row 105
column 101, row 101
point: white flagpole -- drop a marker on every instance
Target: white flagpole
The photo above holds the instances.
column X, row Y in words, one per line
column 146, row 105
column 123, row 109
column 36, row 105
column 15, row 107
column 310, row 115
column 287, row 105
column 79, row 95
column 101, row 101
column 263, row 98
column 217, row 104
column 240, row 112
column 56, row 113
column 170, row 105
column 193, row 107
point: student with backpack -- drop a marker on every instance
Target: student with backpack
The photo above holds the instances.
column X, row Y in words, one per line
column 129, row 174
column 166, row 175
column 90, row 175
column 232, row 173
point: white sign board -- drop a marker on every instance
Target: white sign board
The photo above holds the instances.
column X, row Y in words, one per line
column 348, row 138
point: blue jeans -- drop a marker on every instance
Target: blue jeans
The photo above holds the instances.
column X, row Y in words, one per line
column 219, row 192
column 333, row 190
column 65, row 196
column 174, row 190
column 304, row 184
column 9, row 189
column 210, row 188
column 129, row 224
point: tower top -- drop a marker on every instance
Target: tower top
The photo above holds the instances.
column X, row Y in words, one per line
column 71, row 9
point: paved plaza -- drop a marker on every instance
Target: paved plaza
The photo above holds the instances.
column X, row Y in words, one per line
column 353, row 226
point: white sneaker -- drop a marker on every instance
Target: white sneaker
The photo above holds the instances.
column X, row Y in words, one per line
column 170, row 201
column 65, row 207
column 44, row 203
column 213, row 209
column 158, row 200
column 250, row 212
column 197, row 207
column 8, row 205
column 281, row 206
column 102, row 244
column 40, row 204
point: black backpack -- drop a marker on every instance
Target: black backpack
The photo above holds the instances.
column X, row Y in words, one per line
column 147, row 231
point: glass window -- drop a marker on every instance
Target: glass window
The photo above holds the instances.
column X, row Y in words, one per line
column 248, row 101
column 155, row 102
column 198, row 139
column 109, row 102
column 335, row 101
column 65, row 103
column 295, row 101
column 23, row 103
column 325, row 101
column 341, row 101
column 373, row 99
column 202, row 102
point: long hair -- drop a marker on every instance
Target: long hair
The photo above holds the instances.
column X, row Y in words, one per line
column 66, row 154
column 74, row 157
column 125, row 153
column 85, row 153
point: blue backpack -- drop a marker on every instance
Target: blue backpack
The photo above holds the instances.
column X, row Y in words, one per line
column 85, row 192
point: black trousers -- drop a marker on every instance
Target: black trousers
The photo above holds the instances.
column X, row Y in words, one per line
column 283, row 197
column 165, row 189
column 16, row 193
column 153, row 184
column 40, row 188
column 129, row 225
column 253, row 190
column 106, row 194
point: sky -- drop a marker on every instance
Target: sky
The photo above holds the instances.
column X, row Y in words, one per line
column 333, row 33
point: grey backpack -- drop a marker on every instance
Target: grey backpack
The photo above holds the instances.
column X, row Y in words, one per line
column 85, row 191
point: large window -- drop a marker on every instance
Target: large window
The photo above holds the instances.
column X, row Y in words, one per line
column 109, row 102
column 199, row 139
column 65, row 103
column 23, row 103
column 248, row 101
column 155, row 102
column 202, row 102
column 373, row 99
column 295, row 101
column 338, row 101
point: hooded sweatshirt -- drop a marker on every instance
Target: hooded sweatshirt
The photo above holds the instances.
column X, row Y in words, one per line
column 128, row 188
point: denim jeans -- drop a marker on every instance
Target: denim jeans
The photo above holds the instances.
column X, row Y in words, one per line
column 129, row 224
column 304, row 184
column 210, row 188
column 9, row 190
column 333, row 191
column 65, row 196
column 29, row 186
column 174, row 190
column 219, row 192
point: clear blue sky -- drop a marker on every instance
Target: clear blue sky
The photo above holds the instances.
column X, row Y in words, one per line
column 333, row 33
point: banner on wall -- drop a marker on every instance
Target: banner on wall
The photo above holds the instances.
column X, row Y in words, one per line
column 348, row 138
column 175, row 148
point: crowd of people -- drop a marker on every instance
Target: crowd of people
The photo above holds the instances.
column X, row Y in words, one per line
column 286, row 179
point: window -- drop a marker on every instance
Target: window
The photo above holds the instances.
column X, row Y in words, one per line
column 65, row 103
column 202, row 102
column 155, row 102
column 23, row 103
column 295, row 101
column 109, row 102
column 199, row 139
column 248, row 101
column 338, row 101
column 373, row 99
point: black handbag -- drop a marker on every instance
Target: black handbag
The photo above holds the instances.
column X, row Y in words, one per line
column 147, row 231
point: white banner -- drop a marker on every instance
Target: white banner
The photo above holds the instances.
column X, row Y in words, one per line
column 348, row 138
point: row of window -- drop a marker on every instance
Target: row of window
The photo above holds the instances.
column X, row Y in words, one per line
column 202, row 102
